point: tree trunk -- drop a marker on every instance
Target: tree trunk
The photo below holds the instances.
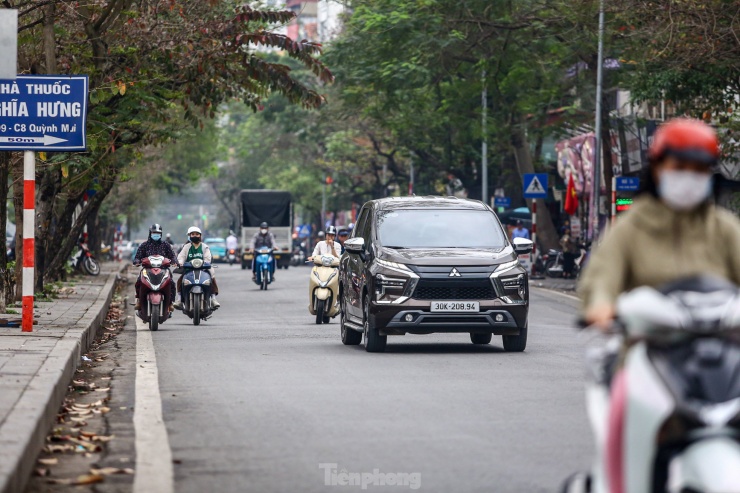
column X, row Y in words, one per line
column 547, row 236
column 49, row 187
column 56, row 265
column 4, row 172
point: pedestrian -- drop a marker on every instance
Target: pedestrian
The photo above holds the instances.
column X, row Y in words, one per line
column 342, row 237
column 455, row 187
column 520, row 231
column 672, row 231
column 570, row 254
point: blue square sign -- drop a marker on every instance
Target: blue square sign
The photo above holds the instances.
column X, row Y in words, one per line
column 628, row 184
column 535, row 186
column 504, row 202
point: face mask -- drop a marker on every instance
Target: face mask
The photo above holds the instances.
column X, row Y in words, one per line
column 156, row 237
column 684, row 190
column 195, row 239
column 263, row 231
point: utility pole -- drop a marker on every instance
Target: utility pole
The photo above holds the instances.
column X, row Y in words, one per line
column 597, row 157
column 484, row 146
column 323, row 206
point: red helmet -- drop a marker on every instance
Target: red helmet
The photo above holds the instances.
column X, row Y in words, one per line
column 685, row 138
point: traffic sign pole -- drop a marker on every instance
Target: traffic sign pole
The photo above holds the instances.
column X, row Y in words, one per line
column 534, row 227
column 614, row 198
column 29, row 249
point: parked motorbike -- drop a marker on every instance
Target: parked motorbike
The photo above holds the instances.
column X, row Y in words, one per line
column 196, row 290
column 231, row 256
column 265, row 269
column 156, row 279
column 554, row 262
column 84, row 260
column 323, row 289
column 666, row 413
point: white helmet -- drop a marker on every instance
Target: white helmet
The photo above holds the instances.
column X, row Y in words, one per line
column 194, row 229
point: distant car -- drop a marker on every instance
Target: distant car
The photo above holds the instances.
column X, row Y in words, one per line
column 510, row 217
column 218, row 249
column 135, row 246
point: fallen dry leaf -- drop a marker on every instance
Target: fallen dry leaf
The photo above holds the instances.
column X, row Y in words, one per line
column 50, row 461
column 107, row 471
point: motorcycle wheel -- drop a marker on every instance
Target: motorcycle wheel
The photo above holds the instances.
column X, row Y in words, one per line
column 264, row 281
column 154, row 318
column 196, row 309
column 91, row 266
column 320, row 311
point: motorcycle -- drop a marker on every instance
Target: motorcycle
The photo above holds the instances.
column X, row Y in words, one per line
column 196, row 290
column 265, row 269
column 554, row 262
column 667, row 419
column 231, row 256
column 323, row 289
column 155, row 277
column 298, row 257
column 84, row 260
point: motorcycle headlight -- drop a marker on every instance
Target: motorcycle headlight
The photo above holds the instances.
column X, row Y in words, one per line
column 197, row 263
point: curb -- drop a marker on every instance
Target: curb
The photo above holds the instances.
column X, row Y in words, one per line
column 48, row 387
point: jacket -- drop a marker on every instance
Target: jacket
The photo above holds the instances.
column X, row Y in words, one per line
column 151, row 247
column 260, row 240
column 652, row 245
column 183, row 255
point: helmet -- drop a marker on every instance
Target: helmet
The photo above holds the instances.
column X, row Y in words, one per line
column 321, row 234
column 331, row 230
column 264, row 225
column 685, row 138
column 343, row 232
column 194, row 229
column 155, row 228
column 168, row 235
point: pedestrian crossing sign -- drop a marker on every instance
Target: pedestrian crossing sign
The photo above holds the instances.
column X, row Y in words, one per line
column 535, row 185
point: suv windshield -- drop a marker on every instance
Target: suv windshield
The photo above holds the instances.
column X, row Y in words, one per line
column 439, row 228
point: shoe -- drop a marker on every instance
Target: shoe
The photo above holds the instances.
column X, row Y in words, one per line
column 214, row 303
column 172, row 308
column 254, row 276
column 178, row 305
column 137, row 307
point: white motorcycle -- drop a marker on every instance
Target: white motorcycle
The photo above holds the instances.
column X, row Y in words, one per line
column 664, row 396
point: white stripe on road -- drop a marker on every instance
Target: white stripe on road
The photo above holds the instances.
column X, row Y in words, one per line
column 153, row 455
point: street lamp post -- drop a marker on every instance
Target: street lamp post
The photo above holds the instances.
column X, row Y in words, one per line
column 597, row 157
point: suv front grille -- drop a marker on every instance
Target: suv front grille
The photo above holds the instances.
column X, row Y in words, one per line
column 452, row 290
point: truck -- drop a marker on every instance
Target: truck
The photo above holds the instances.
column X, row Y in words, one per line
column 276, row 209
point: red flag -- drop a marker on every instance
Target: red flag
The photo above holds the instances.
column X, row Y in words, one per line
column 571, row 198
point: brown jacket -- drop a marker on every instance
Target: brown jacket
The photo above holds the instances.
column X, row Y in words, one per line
column 653, row 244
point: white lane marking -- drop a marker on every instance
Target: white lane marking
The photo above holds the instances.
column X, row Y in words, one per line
column 153, row 455
column 545, row 290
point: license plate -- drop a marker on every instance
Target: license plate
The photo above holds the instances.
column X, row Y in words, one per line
column 455, row 306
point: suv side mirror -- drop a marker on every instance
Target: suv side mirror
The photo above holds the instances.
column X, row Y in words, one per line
column 355, row 245
column 522, row 246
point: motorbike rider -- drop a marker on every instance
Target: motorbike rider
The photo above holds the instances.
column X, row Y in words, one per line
column 154, row 246
column 328, row 246
column 342, row 237
column 168, row 239
column 263, row 238
column 195, row 248
column 672, row 230
column 232, row 242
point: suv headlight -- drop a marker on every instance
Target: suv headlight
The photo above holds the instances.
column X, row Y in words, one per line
column 393, row 265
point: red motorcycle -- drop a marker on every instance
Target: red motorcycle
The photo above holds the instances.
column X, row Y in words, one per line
column 156, row 282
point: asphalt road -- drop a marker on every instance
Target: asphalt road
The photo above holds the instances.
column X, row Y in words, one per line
column 260, row 399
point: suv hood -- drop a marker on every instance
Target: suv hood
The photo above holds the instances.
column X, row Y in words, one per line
column 448, row 256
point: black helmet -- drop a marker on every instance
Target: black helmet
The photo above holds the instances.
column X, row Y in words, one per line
column 264, row 225
column 331, row 230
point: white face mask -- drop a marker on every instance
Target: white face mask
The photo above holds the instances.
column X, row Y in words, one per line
column 684, row 190
column 263, row 231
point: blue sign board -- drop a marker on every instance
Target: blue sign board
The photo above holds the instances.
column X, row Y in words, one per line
column 43, row 113
column 535, row 186
column 628, row 184
column 504, row 202
column 304, row 231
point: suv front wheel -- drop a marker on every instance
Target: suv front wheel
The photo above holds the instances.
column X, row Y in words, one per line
column 374, row 342
column 516, row 344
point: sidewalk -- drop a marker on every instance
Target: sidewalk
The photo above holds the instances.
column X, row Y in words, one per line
column 37, row 367
column 555, row 284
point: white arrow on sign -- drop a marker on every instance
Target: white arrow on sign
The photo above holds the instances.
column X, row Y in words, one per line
column 46, row 140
